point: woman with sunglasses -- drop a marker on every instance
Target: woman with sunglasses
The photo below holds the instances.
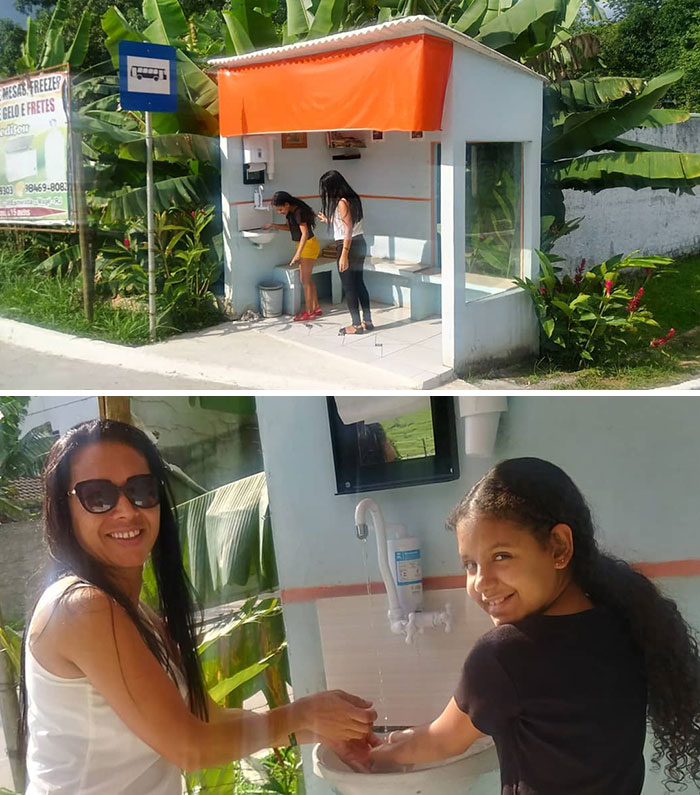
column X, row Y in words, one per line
column 113, row 699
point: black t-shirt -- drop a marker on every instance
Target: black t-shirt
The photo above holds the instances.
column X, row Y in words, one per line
column 564, row 698
column 294, row 219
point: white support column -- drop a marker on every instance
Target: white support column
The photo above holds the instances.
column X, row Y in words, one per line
column 226, row 183
column 531, row 207
column 452, row 202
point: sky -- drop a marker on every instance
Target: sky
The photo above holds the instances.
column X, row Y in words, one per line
column 7, row 9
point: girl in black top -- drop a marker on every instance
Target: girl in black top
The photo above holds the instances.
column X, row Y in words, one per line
column 300, row 222
column 585, row 651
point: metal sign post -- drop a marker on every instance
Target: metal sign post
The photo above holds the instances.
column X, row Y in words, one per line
column 147, row 81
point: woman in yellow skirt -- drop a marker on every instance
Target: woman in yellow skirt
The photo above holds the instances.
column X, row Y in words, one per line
column 301, row 220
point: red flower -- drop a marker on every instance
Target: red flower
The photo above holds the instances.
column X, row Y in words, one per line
column 193, row 213
column 543, row 291
column 127, row 242
column 633, row 303
column 659, row 343
column 608, row 286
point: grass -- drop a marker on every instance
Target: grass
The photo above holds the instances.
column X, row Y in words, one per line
column 55, row 302
column 412, row 434
column 674, row 300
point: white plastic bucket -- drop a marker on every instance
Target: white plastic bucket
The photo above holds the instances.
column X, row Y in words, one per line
column 271, row 298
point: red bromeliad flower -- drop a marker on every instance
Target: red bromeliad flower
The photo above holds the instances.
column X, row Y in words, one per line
column 193, row 213
column 543, row 291
column 608, row 286
column 659, row 343
column 578, row 276
column 633, row 303
column 127, row 242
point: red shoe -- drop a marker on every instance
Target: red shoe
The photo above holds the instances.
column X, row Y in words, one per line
column 318, row 311
column 303, row 316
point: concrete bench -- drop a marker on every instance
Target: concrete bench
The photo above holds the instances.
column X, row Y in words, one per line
column 293, row 291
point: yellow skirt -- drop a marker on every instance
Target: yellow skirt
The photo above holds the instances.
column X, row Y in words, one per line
column 311, row 250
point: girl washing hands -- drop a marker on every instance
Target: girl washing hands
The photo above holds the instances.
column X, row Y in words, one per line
column 300, row 222
column 585, row 651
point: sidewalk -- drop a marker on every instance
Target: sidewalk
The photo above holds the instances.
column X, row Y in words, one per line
column 271, row 354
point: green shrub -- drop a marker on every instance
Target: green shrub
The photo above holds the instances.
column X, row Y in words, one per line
column 597, row 316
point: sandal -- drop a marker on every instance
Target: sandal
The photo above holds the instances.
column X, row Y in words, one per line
column 344, row 331
column 367, row 325
column 318, row 311
column 303, row 316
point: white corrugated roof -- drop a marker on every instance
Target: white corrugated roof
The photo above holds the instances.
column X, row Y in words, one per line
column 396, row 29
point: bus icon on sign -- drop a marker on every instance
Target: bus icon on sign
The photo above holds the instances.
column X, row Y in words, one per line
column 148, row 72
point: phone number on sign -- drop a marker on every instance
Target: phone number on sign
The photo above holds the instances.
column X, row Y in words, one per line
column 7, row 190
column 43, row 187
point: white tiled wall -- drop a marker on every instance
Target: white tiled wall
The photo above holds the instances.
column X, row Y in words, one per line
column 409, row 684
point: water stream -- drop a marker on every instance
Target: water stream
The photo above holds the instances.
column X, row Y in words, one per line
column 382, row 722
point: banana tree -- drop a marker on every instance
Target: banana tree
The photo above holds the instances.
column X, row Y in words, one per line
column 53, row 51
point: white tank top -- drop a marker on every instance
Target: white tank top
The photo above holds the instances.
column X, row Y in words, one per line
column 339, row 227
column 78, row 745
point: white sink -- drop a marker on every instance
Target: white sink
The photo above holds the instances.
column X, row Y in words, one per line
column 259, row 237
column 458, row 774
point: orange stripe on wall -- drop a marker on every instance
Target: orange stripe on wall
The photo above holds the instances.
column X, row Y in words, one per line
column 666, row 568
column 362, row 196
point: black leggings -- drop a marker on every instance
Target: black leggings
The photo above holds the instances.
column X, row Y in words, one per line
column 356, row 293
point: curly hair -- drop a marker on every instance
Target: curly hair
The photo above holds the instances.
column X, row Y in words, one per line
column 537, row 495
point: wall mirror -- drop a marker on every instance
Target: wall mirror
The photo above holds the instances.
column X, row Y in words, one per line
column 389, row 442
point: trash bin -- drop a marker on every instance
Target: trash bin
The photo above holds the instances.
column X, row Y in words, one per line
column 271, row 297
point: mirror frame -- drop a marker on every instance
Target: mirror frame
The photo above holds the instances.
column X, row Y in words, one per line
column 353, row 478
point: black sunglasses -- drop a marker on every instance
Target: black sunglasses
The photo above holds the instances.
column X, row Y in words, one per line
column 100, row 496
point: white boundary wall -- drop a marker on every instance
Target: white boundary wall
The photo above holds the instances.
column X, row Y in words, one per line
column 622, row 220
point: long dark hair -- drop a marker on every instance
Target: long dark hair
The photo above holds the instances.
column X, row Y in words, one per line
column 537, row 495
column 308, row 216
column 333, row 187
column 175, row 594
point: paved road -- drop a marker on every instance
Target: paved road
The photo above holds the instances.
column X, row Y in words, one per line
column 23, row 369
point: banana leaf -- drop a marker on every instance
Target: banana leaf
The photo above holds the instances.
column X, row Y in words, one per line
column 581, row 131
column 587, row 93
column 117, row 29
column 131, row 202
column 299, row 17
column 227, row 536
column 165, row 21
column 327, row 19
column 471, row 18
column 11, row 644
column 78, row 49
column 525, row 29
column 54, row 49
column 670, row 170
column 240, row 42
column 29, row 48
column 94, row 126
column 176, row 147
column 660, row 116
column 65, row 257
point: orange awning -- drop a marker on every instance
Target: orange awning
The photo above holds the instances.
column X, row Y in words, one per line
column 397, row 84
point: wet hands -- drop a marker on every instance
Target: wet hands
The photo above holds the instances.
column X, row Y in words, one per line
column 382, row 757
column 336, row 716
column 356, row 753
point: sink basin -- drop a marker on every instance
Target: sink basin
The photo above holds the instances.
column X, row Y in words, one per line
column 453, row 775
column 259, row 237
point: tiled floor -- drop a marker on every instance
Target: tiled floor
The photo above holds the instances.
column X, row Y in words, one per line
column 410, row 349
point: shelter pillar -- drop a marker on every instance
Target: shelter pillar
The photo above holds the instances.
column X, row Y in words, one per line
column 452, row 221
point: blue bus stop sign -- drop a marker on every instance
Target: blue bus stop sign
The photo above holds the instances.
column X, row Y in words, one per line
column 147, row 77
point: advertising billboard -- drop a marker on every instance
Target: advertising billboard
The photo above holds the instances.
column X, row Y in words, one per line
column 35, row 177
